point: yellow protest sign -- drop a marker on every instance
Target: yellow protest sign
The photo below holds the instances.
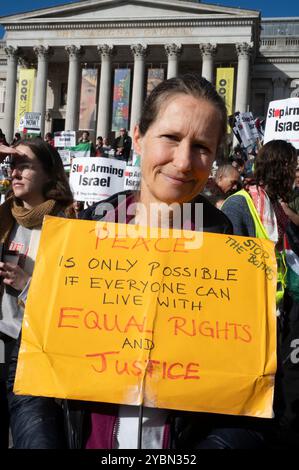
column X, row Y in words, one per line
column 147, row 320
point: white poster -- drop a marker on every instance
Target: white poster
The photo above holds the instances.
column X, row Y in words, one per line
column 65, row 139
column 132, row 178
column 31, row 121
column 246, row 141
column 65, row 157
column 249, row 127
column 96, row 178
column 283, row 121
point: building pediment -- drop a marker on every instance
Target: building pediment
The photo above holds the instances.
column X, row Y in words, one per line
column 117, row 10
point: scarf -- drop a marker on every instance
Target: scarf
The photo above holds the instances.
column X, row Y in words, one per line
column 271, row 214
column 12, row 211
column 265, row 210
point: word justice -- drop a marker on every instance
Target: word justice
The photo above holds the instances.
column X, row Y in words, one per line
column 107, row 362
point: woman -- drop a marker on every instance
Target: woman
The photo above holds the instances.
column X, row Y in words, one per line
column 182, row 127
column 274, row 175
column 6, row 340
column 39, row 188
column 259, row 212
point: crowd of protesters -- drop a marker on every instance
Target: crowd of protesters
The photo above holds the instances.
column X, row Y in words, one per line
column 180, row 139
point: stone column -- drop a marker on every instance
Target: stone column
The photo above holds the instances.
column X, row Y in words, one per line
column 104, row 101
column 243, row 51
column 173, row 52
column 139, row 52
column 10, row 94
column 40, row 99
column 208, row 51
column 279, row 84
column 73, row 88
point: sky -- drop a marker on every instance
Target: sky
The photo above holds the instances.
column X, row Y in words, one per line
column 268, row 8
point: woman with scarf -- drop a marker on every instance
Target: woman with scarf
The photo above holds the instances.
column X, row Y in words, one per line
column 259, row 212
column 274, row 175
column 39, row 188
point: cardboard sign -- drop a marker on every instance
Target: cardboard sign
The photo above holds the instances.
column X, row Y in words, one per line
column 65, row 139
column 283, row 121
column 127, row 318
column 96, row 178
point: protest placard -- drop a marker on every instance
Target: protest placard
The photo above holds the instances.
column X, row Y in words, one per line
column 65, row 157
column 96, row 178
column 132, row 178
column 249, row 127
column 239, row 126
column 30, row 123
column 65, row 139
column 283, row 121
column 132, row 318
column 244, row 128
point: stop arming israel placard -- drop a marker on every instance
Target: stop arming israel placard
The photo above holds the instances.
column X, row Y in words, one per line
column 283, row 121
column 96, row 178
column 132, row 178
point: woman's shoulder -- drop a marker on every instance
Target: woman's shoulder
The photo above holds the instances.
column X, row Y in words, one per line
column 234, row 201
column 213, row 219
column 238, row 211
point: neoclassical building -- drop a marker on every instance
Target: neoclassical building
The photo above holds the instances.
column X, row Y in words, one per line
column 138, row 35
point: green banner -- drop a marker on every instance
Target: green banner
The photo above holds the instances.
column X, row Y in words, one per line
column 83, row 149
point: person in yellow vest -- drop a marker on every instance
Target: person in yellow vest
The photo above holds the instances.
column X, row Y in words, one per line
column 257, row 210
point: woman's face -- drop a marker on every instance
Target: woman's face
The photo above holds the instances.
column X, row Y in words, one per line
column 28, row 177
column 178, row 150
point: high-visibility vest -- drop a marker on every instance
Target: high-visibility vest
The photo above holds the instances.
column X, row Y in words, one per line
column 260, row 232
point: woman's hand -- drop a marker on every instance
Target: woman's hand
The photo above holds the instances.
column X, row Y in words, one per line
column 5, row 151
column 14, row 276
